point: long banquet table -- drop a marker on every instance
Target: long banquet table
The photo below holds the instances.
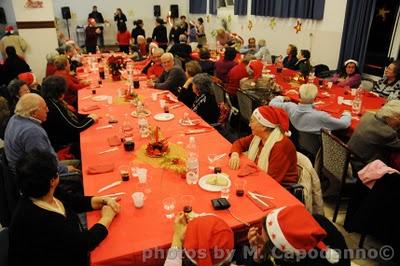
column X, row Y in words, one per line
column 136, row 232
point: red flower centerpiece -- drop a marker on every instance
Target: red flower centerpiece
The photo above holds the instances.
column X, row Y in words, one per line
column 157, row 148
column 115, row 64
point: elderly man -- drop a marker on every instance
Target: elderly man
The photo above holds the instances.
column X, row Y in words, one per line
column 251, row 47
column 304, row 117
column 173, row 76
column 155, row 70
column 182, row 49
column 24, row 132
column 377, row 135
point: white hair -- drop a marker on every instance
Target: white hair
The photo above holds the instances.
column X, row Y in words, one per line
column 262, row 43
column 158, row 51
column 308, row 92
column 167, row 56
column 391, row 108
column 28, row 104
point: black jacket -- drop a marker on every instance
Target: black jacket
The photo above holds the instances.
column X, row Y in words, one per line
column 160, row 34
column 207, row 108
column 136, row 32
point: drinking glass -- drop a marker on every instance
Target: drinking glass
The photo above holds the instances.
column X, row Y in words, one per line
column 225, row 192
column 138, row 199
column 240, row 186
column 124, row 172
column 187, row 203
column 169, row 207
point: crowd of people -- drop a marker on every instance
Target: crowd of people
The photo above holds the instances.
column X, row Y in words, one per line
column 40, row 121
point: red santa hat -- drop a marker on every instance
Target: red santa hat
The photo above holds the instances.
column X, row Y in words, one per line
column 256, row 66
column 208, row 240
column 293, row 229
column 28, row 77
column 9, row 29
column 272, row 117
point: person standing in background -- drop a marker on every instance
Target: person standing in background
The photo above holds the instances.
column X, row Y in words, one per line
column 98, row 17
column 201, row 34
column 123, row 39
column 138, row 30
column 9, row 39
column 91, row 34
column 120, row 18
column 160, row 34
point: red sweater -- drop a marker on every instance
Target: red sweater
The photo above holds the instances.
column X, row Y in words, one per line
column 124, row 38
column 282, row 159
column 234, row 76
column 155, row 70
column 73, row 85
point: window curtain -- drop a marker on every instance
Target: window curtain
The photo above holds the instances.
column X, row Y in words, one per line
column 212, row 7
column 357, row 23
column 240, row 8
column 198, row 6
column 308, row 9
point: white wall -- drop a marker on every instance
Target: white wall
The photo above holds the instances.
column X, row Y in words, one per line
column 40, row 41
column 322, row 38
column 8, row 10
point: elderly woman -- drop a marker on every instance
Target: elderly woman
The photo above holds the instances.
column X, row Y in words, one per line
column 63, row 125
column 205, row 104
column 50, row 67
column 291, row 57
column 268, row 146
column 289, row 234
column 45, row 229
column 349, row 75
column 389, row 85
column 186, row 94
column 16, row 88
column 303, row 64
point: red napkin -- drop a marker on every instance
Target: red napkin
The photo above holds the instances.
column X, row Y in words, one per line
column 332, row 108
column 114, row 141
column 90, row 108
column 248, row 169
column 100, row 169
column 261, row 206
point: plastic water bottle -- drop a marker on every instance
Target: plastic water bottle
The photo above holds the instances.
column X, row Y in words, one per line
column 143, row 127
column 357, row 103
column 192, row 164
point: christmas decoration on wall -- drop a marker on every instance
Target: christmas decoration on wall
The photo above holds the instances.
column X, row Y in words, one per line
column 297, row 27
column 33, row 4
column 208, row 18
column 272, row 23
column 383, row 12
column 250, row 25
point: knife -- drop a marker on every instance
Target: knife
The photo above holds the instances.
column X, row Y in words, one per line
column 114, row 184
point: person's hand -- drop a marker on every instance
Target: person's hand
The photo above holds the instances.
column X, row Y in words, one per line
column 112, row 203
column 72, row 169
column 180, row 225
column 98, row 31
column 150, row 83
column 108, row 213
column 94, row 117
column 188, row 82
column 234, row 161
column 257, row 242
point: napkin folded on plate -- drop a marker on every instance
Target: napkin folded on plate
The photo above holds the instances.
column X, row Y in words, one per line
column 100, row 169
column 261, row 206
column 90, row 108
column 248, row 169
column 114, row 141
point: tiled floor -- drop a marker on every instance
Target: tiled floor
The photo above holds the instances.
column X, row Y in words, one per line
column 352, row 239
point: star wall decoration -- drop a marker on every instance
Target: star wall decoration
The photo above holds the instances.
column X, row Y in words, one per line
column 272, row 23
column 208, row 18
column 298, row 26
column 250, row 25
column 382, row 12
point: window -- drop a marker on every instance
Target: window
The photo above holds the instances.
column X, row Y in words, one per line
column 225, row 3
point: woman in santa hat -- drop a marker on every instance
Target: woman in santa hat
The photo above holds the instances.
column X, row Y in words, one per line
column 268, row 145
column 292, row 236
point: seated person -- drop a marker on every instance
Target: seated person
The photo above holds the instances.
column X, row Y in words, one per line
column 4, row 117
column 304, row 117
column 205, row 105
column 73, row 56
column 263, row 53
column 206, row 64
column 349, row 75
column 303, row 64
column 207, row 233
column 141, row 44
column 14, row 65
column 223, row 65
column 289, row 234
column 155, row 70
column 45, row 230
column 291, row 59
column 73, row 84
column 30, row 80
column 16, row 89
column 50, row 67
column 186, row 94
column 237, row 73
column 268, row 146
column 389, row 85
column 251, row 47
column 63, row 125
column 181, row 49
column 173, row 76
column 377, row 135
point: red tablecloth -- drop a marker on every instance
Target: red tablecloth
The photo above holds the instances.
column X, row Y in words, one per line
column 135, row 232
column 327, row 98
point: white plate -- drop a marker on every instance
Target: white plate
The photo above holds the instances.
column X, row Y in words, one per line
column 193, row 122
column 100, row 98
column 164, row 116
column 145, row 114
column 213, row 188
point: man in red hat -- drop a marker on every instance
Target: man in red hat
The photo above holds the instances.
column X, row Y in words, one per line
column 268, row 145
column 206, row 240
column 9, row 39
column 292, row 236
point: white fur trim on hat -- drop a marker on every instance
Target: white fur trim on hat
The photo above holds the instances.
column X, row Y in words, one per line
column 275, row 233
column 262, row 120
column 351, row 61
column 332, row 256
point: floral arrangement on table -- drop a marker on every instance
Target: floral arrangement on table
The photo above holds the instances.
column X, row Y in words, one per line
column 115, row 64
column 175, row 164
column 157, row 147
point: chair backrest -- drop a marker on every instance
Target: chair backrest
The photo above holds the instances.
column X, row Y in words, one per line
column 219, row 93
column 309, row 144
column 245, row 105
column 4, row 244
column 320, row 70
column 367, row 84
column 335, row 155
